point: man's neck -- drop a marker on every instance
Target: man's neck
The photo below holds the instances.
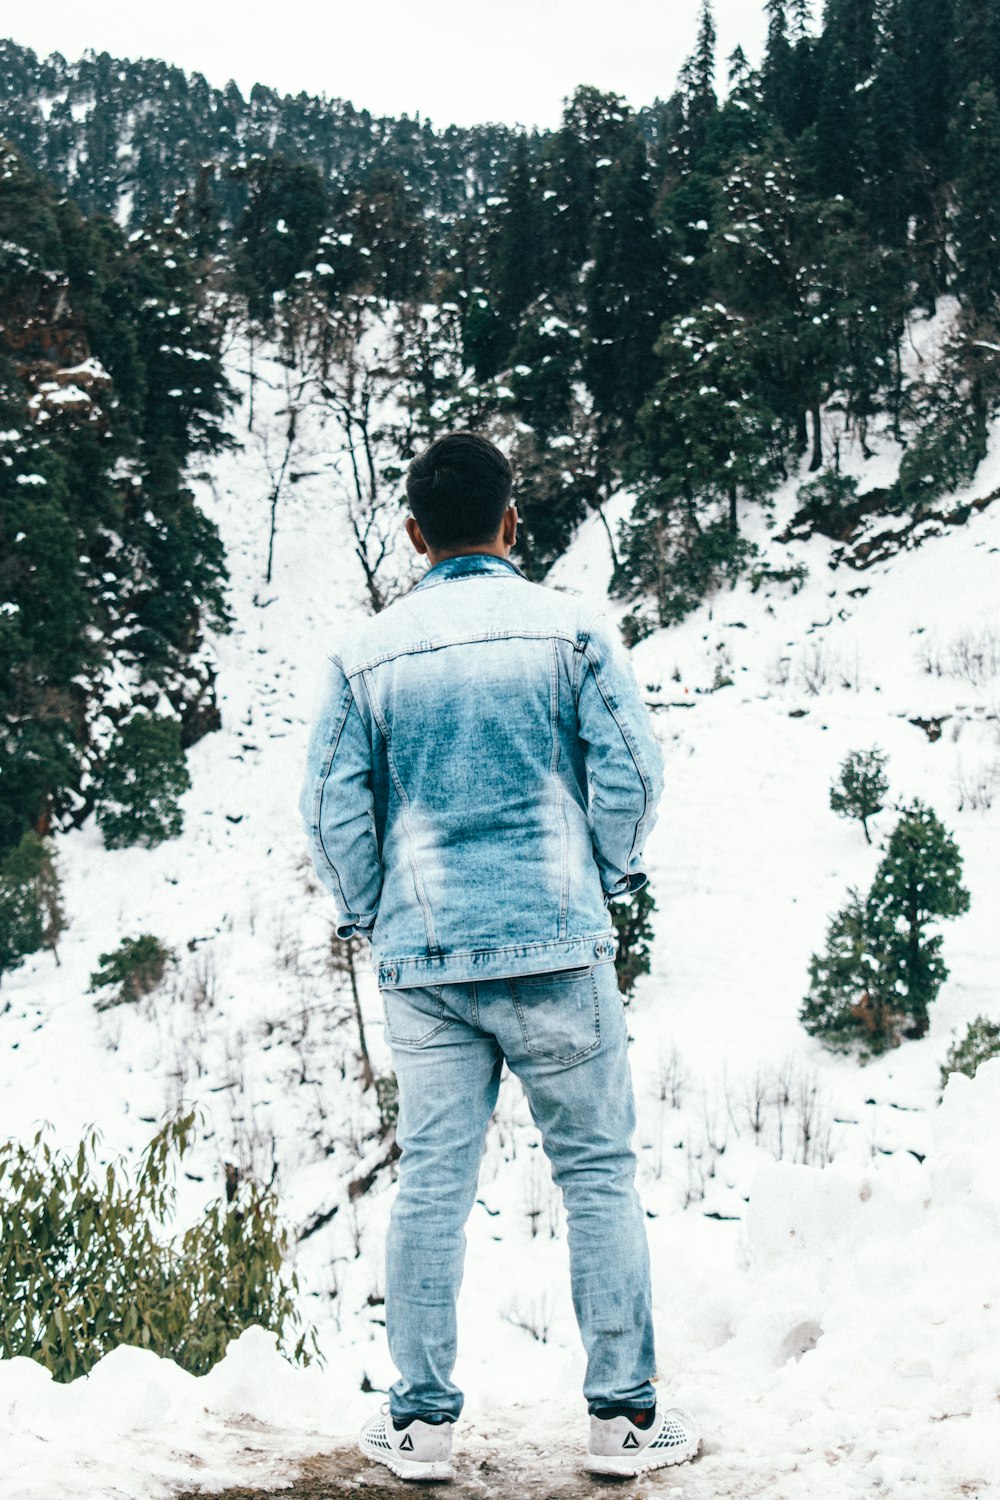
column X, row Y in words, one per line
column 493, row 550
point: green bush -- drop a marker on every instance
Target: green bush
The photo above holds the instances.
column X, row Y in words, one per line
column 135, row 968
column 980, row 1043
column 829, row 502
column 83, row 1266
column 140, row 782
column 31, row 914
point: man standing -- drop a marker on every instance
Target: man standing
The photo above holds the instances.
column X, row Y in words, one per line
column 481, row 777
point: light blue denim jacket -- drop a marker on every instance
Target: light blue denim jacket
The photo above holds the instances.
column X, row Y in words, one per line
column 481, row 776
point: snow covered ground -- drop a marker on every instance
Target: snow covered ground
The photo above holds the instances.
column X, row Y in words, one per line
column 832, row 1321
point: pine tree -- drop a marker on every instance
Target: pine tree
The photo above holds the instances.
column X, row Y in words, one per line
column 861, row 787
column 517, row 257
column 625, row 292
column 918, row 882
column 777, row 71
column 851, row 999
column 975, row 134
column 143, row 776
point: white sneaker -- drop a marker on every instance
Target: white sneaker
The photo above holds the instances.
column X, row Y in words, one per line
column 618, row 1446
column 421, row 1451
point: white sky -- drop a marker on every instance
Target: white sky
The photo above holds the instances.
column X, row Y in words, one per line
column 453, row 61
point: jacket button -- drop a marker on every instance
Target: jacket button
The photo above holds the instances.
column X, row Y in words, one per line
column 390, row 974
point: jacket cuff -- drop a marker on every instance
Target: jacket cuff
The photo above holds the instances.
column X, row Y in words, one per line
column 625, row 885
column 348, row 925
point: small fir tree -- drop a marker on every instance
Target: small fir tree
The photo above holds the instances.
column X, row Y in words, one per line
column 142, row 779
column 861, row 788
column 850, row 999
column 31, row 913
column 918, row 882
column 632, row 919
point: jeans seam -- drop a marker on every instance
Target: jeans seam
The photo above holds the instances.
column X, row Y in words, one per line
column 560, row 792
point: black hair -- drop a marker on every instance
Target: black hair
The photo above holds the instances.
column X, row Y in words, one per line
column 458, row 490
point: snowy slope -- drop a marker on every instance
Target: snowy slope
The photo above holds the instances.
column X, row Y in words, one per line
column 883, row 1264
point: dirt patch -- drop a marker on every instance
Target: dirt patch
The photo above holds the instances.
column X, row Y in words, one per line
column 340, row 1472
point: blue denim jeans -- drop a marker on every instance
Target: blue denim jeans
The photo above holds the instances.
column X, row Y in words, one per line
column 564, row 1035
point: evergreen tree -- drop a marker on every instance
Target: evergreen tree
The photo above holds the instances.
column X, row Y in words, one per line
column 625, row 292
column 143, row 776
column 975, row 134
column 980, row 1044
column 633, row 924
column 918, row 882
column 851, row 1000
column 861, row 787
column 31, row 912
column 518, row 252
column 704, row 442
column 777, row 72
column 279, row 230
column 566, row 208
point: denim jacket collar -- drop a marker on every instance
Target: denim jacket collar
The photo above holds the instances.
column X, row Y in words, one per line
column 465, row 565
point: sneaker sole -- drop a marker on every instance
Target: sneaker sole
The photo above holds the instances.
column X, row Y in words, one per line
column 408, row 1468
column 599, row 1463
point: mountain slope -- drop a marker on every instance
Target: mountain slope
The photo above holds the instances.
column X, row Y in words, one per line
column 813, row 1369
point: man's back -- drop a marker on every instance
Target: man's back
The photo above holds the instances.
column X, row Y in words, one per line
column 481, row 778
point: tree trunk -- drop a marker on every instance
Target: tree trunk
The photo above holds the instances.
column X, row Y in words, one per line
column 816, row 462
column 367, row 1073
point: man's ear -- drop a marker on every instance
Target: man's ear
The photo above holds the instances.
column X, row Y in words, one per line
column 415, row 534
column 510, row 525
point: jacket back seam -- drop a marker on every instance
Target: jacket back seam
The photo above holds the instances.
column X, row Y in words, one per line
column 416, row 648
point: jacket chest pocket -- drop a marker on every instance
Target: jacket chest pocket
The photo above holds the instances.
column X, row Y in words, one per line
column 559, row 1013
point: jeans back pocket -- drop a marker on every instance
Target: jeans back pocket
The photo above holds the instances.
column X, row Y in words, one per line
column 558, row 1012
column 414, row 1015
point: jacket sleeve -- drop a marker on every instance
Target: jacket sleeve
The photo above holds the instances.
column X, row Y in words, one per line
column 623, row 757
column 337, row 806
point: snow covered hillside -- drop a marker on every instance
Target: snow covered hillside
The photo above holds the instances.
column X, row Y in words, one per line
column 827, row 1289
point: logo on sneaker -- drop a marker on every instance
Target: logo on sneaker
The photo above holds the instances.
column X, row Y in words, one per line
column 631, row 1441
column 407, row 1444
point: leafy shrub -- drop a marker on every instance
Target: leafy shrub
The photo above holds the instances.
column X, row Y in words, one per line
column 830, row 502
column 135, row 968
column 31, row 914
column 139, row 785
column 83, row 1268
column 980, row 1043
